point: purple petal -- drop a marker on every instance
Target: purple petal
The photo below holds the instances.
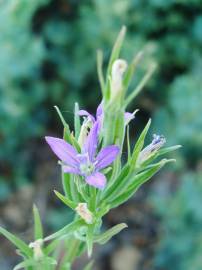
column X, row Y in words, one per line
column 106, row 156
column 91, row 143
column 97, row 180
column 72, row 170
column 64, row 151
column 85, row 113
column 128, row 117
column 99, row 110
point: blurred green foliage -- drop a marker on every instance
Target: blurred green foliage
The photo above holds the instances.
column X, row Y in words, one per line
column 181, row 227
column 180, row 119
column 48, row 56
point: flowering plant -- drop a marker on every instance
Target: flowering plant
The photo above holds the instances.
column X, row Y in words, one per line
column 95, row 179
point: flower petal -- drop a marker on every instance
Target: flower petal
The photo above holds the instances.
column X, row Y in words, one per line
column 97, row 180
column 99, row 111
column 85, row 113
column 91, row 143
column 128, row 117
column 64, row 151
column 106, row 156
column 68, row 169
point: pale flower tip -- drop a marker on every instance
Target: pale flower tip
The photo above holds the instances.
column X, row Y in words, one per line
column 138, row 57
column 153, row 67
column 123, row 29
column 37, row 248
column 48, row 138
column 118, row 68
column 83, row 211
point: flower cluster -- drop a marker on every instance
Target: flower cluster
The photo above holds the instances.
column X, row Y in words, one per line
column 88, row 163
column 95, row 178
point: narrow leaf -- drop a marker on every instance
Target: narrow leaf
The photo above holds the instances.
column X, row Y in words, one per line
column 67, row 230
column 116, row 49
column 117, row 184
column 99, row 70
column 66, row 178
column 89, row 239
column 38, row 229
column 65, row 125
column 89, row 265
column 22, row 246
column 137, row 181
column 128, row 142
column 77, row 124
column 131, row 69
column 106, row 236
column 25, row 264
column 166, row 150
column 66, row 200
column 140, row 86
column 51, row 246
column 139, row 145
column 159, row 153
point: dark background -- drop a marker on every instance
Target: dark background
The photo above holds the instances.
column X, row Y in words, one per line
column 48, row 57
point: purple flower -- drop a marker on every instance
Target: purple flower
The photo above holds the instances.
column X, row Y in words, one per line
column 157, row 142
column 100, row 113
column 87, row 163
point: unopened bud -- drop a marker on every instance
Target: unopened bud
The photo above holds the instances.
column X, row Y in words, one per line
column 84, row 213
column 36, row 246
column 85, row 128
column 118, row 68
column 157, row 142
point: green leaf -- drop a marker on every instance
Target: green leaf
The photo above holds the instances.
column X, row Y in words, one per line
column 65, row 125
column 75, row 143
column 65, row 200
column 114, row 55
column 38, row 229
column 89, row 239
column 117, row 184
column 22, row 246
column 116, row 49
column 66, row 184
column 139, row 145
column 48, row 261
column 131, row 69
column 140, row 86
column 25, row 264
column 137, row 181
column 77, row 124
column 128, row 142
column 67, row 230
column 157, row 154
column 106, row 236
column 99, row 70
column 51, row 246
column 166, row 150
column 89, row 265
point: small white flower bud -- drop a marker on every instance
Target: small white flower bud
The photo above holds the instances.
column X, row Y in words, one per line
column 84, row 213
column 157, row 142
column 118, row 68
column 36, row 246
column 86, row 126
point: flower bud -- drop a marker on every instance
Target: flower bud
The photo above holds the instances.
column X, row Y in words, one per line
column 36, row 246
column 157, row 142
column 118, row 68
column 84, row 213
column 85, row 128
